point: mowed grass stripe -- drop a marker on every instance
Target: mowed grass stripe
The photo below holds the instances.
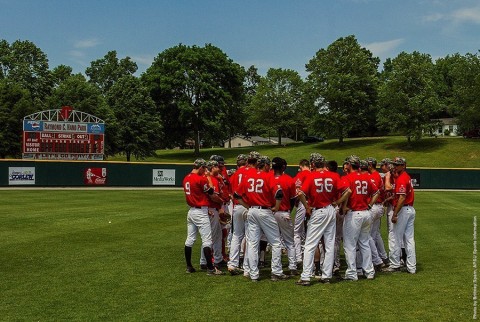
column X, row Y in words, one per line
column 61, row 259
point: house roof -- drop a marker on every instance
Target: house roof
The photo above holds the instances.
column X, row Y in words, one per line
column 448, row 121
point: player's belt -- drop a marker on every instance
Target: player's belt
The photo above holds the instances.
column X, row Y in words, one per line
column 199, row 207
column 358, row 209
column 260, row 207
column 315, row 208
column 408, row 205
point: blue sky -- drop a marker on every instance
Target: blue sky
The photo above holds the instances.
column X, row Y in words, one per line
column 267, row 34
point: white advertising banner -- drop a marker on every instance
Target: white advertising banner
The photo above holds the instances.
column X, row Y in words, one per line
column 163, row 177
column 21, row 175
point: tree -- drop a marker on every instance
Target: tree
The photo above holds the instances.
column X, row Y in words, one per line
column 15, row 104
column 278, row 101
column 60, row 74
column 75, row 91
column 134, row 109
column 342, row 85
column 25, row 64
column 106, row 71
column 407, row 97
column 458, row 86
column 192, row 88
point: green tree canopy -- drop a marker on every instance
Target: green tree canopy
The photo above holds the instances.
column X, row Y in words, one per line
column 192, row 88
column 15, row 103
column 106, row 71
column 407, row 96
column 140, row 128
column 278, row 101
column 343, row 82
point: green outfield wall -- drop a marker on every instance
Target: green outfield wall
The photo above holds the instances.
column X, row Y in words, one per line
column 42, row 173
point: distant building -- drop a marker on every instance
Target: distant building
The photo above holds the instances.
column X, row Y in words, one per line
column 447, row 126
column 239, row 141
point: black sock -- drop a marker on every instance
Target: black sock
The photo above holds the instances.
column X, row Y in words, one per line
column 404, row 256
column 263, row 248
column 188, row 256
column 317, row 267
column 207, row 251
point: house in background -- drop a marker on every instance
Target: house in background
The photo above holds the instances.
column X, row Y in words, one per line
column 447, row 126
column 239, row 141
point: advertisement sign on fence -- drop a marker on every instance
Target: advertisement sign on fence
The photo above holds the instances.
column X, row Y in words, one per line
column 95, row 176
column 163, row 177
column 21, row 175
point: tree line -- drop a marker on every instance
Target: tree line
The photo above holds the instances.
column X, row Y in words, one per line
column 200, row 94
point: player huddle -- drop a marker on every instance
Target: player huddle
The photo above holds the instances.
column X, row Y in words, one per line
column 256, row 202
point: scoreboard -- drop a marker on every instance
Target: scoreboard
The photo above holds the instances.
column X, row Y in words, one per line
column 63, row 140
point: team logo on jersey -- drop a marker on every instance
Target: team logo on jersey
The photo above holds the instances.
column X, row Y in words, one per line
column 402, row 189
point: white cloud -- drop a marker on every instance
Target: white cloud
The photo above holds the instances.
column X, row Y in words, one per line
column 384, row 48
column 466, row 15
column 143, row 59
column 86, row 43
column 459, row 16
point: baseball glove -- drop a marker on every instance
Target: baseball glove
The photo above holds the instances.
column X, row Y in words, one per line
column 225, row 218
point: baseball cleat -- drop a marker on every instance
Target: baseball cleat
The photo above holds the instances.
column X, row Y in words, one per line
column 190, row 269
column 325, row 281
column 235, row 271
column 370, row 277
column 379, row 267
column 303, row 283
column 255, row 280
column 280, row 277
column 214, row 271
column 293, row 272
column 203, row 267
column 391, row 269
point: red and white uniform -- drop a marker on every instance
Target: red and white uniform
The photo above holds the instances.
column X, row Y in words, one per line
column 357, row 224
column 196, row 188
column 258, row 191
column 321, row 189
column 376, row 242
column 283, row 218
column 404, row 228
column 299, row 226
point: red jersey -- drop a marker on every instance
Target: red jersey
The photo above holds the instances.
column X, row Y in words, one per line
column 321, row 188
column 362, row 190
column 216, row 190
column 258, row 189
column 224, row 188
column 378, row 181
column 403, row 186
column 300, row 177
column 195, row 188
column 289, row 190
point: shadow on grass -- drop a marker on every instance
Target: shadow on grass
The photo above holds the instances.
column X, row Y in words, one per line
column 422, row 145
column 352, row 143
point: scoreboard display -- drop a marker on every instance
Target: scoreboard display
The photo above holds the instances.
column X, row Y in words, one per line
column 63, row 140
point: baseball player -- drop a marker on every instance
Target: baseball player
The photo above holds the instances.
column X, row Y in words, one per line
column 282, row 216
column 214, row 209
column 377, row 212
column 388, row 182
column 199, row 191
column 299, row 228
column 403, row 219
column 320, row 187
column 238, row 221
column 356, row 226
column 332, row 166
column 262, row 197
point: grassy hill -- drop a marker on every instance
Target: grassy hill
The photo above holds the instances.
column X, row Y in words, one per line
column 450, row 152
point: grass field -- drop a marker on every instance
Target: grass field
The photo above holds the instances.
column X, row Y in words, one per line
column 92, row 255
column 448, row 152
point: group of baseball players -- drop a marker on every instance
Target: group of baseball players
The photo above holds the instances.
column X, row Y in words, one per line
column 256, row 200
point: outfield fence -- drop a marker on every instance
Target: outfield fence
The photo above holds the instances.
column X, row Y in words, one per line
column 43, row 173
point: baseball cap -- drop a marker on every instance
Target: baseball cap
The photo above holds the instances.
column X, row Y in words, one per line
column 352, row 159
column 278, row 163
column 385, row 161
column 242, row 157
column 316, row 157
column 200, row 163
column 264, row 159
column 212, row 163
column 363, row 164
column 254, row 155
column 218, row 158
column 371, row 160
column 399, row 161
